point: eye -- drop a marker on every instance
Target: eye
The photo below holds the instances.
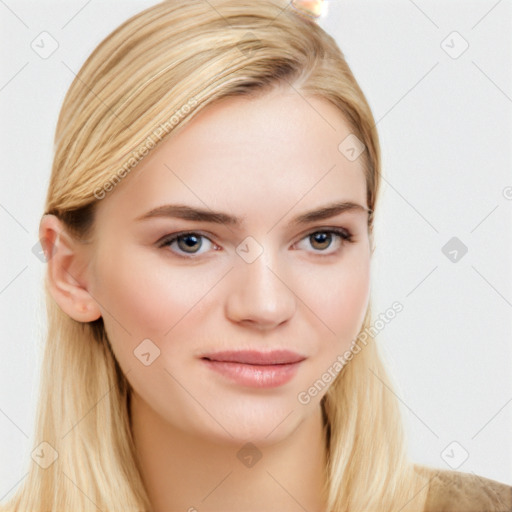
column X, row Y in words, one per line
column 323, row 239
column 189, row 242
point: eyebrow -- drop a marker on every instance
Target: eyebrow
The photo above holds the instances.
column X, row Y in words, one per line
column 185, row 212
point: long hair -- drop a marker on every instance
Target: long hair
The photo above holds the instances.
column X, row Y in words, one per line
column 149, row 78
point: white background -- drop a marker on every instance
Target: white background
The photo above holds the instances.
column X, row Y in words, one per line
column 445, row 130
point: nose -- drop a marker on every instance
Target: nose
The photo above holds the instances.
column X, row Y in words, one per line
column 260, row 295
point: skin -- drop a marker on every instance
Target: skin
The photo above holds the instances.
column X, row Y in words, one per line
column 266, row 159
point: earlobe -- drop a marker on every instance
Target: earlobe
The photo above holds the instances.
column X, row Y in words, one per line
column 67, row 262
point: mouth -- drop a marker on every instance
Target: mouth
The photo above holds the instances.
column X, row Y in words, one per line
column 255, row 357
column 253, row 368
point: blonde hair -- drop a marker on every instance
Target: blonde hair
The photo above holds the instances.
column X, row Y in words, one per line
column 147, row 79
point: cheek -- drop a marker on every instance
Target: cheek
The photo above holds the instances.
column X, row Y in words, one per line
column 343, row 310
column 354, row 294
column 339, row 296
column 140, row 299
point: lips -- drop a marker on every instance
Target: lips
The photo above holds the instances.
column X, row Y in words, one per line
column 255, row 369
column 254, row 357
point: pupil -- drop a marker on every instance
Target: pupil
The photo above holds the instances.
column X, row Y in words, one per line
column 322, row 237
column 187, row 238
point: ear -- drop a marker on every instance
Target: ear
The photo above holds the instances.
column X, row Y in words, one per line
column 67, row 260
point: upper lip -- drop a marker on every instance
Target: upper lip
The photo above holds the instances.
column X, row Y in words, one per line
column 256, row 357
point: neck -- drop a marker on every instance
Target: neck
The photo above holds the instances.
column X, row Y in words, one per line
column 186, row 473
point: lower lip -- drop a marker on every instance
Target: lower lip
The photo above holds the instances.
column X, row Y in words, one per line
column 256, row 376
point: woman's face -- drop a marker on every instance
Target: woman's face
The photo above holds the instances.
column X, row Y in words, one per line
column 266, row 284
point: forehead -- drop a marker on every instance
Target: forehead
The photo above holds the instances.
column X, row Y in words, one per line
column 247, row 155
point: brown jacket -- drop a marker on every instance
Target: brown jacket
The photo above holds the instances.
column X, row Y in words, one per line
column 456, row 491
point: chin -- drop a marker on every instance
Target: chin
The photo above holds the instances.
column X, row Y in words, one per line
column 261, row 426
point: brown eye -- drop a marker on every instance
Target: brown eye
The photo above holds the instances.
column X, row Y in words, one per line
column 322, row 238
column 187, row 243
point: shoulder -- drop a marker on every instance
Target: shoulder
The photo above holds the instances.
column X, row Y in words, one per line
column 455, row 491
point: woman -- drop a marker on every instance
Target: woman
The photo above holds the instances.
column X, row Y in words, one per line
column 208, row 231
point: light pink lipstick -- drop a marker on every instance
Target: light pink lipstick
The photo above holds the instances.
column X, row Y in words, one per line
column 255, row 369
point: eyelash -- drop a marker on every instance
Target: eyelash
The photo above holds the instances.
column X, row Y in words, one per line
column 344, row 234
